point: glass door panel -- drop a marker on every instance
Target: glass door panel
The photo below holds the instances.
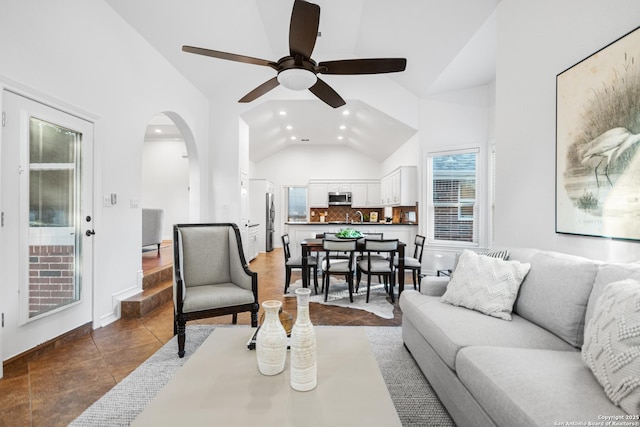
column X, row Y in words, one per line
column 54, row 216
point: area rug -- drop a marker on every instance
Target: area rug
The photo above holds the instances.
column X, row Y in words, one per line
column 413, row 397
column 339, row 296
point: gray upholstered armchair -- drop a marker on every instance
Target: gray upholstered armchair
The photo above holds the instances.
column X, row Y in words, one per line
column 152, row 220
column 211, row 276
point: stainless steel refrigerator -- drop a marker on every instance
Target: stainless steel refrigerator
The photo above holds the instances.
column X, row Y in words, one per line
column 270, row 221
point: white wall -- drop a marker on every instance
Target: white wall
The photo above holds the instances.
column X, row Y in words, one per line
column 165, row 181
column 536, row 41
column 406, row 155
column 83, row 54
column 450, row 121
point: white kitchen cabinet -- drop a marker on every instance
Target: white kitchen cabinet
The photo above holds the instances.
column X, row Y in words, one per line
column 373, row 194
column 339, row 187
column 252, row 249
column 318, row 195
column 365, row 195
column 359, row 195
column 400, row 187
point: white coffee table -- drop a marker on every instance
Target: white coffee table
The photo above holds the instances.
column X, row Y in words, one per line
column 220, row 385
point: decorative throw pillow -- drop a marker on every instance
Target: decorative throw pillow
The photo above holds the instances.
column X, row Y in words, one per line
column 495, row 253
column 612, row 343
column 498, row 253
column 489, row 285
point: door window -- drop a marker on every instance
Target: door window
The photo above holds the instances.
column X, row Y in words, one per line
column 54, row 216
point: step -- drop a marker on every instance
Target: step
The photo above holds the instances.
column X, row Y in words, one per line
column 157, row 290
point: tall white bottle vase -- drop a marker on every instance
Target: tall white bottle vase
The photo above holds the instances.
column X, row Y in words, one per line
column 271, row 341
column 304, row 367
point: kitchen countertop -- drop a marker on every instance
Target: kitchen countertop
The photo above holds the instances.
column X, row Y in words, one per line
column 349, row 223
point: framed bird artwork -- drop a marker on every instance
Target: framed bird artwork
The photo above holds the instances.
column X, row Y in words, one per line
column 597, row 143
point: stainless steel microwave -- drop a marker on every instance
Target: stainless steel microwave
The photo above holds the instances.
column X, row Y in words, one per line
column 339, row 198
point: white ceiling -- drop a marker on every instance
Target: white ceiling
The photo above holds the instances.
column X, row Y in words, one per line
column 449, row 45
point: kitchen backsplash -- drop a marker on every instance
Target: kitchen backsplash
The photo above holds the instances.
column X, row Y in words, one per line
column 400, row 214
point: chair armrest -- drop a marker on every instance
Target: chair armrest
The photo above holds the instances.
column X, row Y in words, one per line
column 434, row 285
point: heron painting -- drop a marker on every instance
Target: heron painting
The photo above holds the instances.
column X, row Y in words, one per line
column 598, row 143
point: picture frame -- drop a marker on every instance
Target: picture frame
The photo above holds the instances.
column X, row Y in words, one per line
column 373, row 217
column 597, row 143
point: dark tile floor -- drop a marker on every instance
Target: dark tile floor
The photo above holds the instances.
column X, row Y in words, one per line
column 55, row 386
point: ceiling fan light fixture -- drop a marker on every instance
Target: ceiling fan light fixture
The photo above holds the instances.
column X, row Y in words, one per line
column 297, row 78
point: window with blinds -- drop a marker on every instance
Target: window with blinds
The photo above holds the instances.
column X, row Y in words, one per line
column 452, row 208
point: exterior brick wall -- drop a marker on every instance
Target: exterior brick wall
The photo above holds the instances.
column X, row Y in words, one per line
column 51, row 277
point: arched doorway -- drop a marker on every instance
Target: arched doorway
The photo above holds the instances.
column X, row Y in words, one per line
column 166, row 172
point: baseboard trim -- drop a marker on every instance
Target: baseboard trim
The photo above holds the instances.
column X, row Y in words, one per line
column 49, row 345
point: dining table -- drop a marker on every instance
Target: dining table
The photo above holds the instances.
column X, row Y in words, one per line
column 315, row 245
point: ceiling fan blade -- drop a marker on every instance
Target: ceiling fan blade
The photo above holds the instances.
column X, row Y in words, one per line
column 260, row 90
column 327, row 94
column 363, row 66
column 303, row 29
column 229, row 56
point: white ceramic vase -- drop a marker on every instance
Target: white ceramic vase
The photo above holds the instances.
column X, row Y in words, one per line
column 304, row 367
column 271, row 341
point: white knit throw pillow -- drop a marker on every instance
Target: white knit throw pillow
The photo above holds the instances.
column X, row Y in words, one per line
column 612, row 343
column 486, row 284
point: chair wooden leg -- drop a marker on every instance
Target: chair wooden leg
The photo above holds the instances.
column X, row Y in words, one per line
column 287, row 280
column 234, row 318
column 358, row 278
column 350, row 283
column 391, row 285
column 414, row 274
column 326, row 287
column 368, row 286
column 254, row 315
column 315, row 279
column 182, row 323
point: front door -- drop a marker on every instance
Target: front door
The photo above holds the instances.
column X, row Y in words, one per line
column 46, row 234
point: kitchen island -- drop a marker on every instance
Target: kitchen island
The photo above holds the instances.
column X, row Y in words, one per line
column 298, row 231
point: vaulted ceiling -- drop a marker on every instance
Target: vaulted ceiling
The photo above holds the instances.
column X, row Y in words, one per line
column 449, row 45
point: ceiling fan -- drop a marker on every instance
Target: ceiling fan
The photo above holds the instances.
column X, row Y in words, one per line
column 298, row 71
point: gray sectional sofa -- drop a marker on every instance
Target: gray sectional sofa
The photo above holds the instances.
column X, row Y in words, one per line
column 524, row 372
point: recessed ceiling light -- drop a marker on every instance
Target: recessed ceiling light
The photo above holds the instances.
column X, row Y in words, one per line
column 342, row 127
column 289, row 127
column 340, row 137
column 283, row 113
column 345, row 113
column 293, row 138
column 157, row 130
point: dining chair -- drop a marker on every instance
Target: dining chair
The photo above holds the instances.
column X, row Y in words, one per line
column 210, row 276
column 335, row 255
column 291, row 263
column 338, row 266
column 373, row 265
column 414, row 263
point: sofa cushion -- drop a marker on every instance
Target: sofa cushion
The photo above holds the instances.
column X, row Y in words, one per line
column 612, row 343
column 489, row 285
column 448, row 328
column 533, row 387
column 609, row 273
column 555, row 293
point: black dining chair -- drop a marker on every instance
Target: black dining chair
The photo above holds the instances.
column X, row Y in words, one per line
column 291, row 263
column 374, row 263
column 338, row 266
column 414, row 263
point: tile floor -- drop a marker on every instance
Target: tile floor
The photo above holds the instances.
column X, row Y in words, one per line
column 55, row 386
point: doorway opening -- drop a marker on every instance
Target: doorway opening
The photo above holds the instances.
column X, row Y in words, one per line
column 165, row 172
